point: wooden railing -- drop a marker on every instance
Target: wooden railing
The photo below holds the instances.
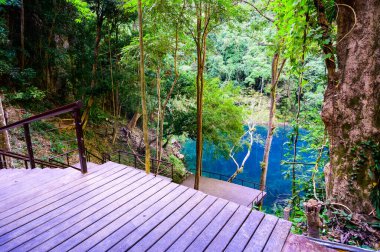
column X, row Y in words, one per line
column 73, row 108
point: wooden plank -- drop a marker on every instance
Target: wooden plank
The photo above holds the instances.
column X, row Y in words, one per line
column 21, row 178
column 34, row 212
column 278, row 237
column 6, row 174
column 128, row 241
column 158, row 231
column 32, row 229
column 208, row 234
column 93, row 223
column 51, row 183
column 61, row 192
column 15, row 198
column 23, row 195
column 197, row 227
column 6, row 177
column 29, row 182
column 260, row 237
column 59, row 227
column 222, row 189
column 126, row 217
column 221, row 241
column 12, row 199
column 244, row 234
column 127, row 226
column 172, row 235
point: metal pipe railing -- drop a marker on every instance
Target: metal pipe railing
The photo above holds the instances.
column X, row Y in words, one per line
column 155, row 169
column 3, row 163
column 243, row 182
column 75, row 109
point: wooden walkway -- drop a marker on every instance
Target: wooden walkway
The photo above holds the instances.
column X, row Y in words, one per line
column 119, row 208
column 241, row 195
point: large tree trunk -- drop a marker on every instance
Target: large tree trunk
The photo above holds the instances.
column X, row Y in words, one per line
column 143, row 91
column 132, row 123
column 351, row 110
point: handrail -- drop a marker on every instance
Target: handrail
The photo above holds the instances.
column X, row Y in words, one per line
column 255, row 186
column 51, row 113
column 63, row 165
column 90, row 154
column 25, row 159
column 75, row 109
column 66, row 154
column 107, row 156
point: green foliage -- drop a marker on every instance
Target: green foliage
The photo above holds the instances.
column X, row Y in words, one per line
column 222, row 118
column 179, row 171
column 30, row 94
column 83, row 9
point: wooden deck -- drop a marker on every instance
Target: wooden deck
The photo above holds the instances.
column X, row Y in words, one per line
column 119, row 208
column 241, row 195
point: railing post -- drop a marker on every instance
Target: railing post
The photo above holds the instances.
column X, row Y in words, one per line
column 29, row 146
column 154, row 171
column 119, row 156
column 172, row 166
column 80, row 140
column 134, row 155
column 1, row 161
column 67, row 159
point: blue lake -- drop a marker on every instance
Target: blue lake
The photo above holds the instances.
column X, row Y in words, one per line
column 279, row 188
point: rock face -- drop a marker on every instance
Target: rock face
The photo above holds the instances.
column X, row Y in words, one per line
column 176, row 149
column 351, row 109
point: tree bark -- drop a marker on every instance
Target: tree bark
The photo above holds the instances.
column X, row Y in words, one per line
column 143, row 91
column 98, row 38
column 4, row 137
column 351, row 110
column 312, row 209
column 22, row 32
column 132, row 123
column 163, row 108
column 158, row 82
column 203, row 19
column 271, row 125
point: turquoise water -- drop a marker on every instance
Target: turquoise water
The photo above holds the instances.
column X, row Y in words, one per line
column 279, row 187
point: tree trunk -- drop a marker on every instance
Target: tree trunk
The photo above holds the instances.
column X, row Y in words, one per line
column 158, row 80
column 203, row 17
column 163, row 109
column 143, row 91
column 132, row 123
column 4, row 137
column 312, row 209
column 271, row 125
column 351, row 110
column 22, row 32
column 99, row 24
